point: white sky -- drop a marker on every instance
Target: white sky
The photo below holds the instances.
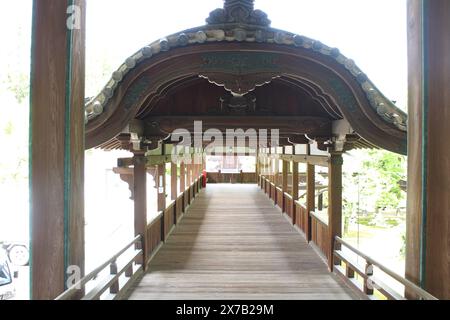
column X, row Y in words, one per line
column 373, row 33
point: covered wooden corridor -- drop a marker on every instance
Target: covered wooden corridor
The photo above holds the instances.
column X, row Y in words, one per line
column 211, row 256
column 278, row 96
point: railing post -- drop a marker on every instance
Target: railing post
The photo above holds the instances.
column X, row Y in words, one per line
column 114, row 289
column 310, row 197
column 367, row 287
column 129, row 272
column 335, row 202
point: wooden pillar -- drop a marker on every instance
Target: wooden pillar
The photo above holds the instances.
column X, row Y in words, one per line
column 57, row 146
column 161, row 186
column 334, row 203
column 276, row 170
column 284, row 183
column 189, row 174
column 183, row 185
column 182, row 177
column 310, row 197
column 258, row 166
column 173, row 180
column 294, row 189
column 161, row 190
column 140, row 200
column 428, row 209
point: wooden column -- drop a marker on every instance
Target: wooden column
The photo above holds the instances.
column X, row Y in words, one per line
column 173, row 180
column 428, row 210
column 183, row 184
column 334, row 203
column 258, row 167
column 161, row 190
column 284, row 183
column 294, row 189
column 310, row 197
column 161, row 186
column 140, row 199
column 276, row 170
column 57, row 146
column 188, row 174
column 182, row 177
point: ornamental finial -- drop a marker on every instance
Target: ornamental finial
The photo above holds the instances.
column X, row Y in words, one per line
column 239, row 12
column 249, row 4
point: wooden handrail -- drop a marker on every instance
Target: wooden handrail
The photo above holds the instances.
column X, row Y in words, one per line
column 314, row 215
column 111, row 281
column 372, row 262
column 288, row 196
column 297, row 202
column 70, row 292
column 156, row 219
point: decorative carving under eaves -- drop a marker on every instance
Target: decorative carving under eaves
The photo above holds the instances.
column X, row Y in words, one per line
column 239, row 84
column 240, row 73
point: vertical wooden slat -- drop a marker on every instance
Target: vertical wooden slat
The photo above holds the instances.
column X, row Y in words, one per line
column 57, row 146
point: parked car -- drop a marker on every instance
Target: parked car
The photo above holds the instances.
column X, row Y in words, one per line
column 17, row 252
column 7, row 288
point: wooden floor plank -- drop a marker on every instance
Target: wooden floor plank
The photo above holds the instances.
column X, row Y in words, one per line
column 234, row 244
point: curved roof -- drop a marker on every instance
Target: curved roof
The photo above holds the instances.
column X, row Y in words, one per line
column 238, row 27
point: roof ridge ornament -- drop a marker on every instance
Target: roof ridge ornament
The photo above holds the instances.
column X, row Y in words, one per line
column 239, row 12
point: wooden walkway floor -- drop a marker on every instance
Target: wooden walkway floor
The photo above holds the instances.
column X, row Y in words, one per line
column 234, row 244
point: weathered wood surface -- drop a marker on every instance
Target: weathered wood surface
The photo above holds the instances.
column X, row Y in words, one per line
column 234, row 244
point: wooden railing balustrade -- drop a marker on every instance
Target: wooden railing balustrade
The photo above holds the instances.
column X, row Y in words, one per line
column 319, row 234
column 131, row 267
column 346, row 266
column 319, row 227
column 160, row 228
column 123, row 270
column 301, row 216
